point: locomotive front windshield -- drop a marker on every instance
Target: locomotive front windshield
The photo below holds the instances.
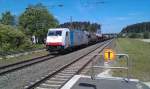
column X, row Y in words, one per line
column 54, row 33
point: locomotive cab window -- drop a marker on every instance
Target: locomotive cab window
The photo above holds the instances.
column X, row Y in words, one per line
column 54, row 33
column 66, row 33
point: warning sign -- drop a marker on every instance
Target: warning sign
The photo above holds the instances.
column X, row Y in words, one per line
column 109, row 54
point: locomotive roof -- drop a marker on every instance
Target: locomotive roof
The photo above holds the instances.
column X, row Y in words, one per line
column 58, row 29
column 62, row 29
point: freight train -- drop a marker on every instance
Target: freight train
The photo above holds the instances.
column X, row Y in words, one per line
column 59, row 39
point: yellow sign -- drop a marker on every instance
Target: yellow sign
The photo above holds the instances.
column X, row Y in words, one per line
column 109, row 54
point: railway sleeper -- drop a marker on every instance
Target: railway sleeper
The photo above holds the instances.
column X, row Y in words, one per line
column 50, row 86
column 64, row 77
column 54, row 81
column 41, row 88
column 66, row 74
column 59, row 79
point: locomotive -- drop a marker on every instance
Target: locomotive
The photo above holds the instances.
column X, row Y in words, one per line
column 59, row 39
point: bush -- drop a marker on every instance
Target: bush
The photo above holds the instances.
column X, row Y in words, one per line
column 134, row 35
column 13, row 39
column 146, row 35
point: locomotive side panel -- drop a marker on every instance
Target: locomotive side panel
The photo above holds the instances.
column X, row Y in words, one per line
column 78, row 38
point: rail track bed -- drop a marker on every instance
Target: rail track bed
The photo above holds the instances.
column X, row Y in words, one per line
column 25, row 77
column 21, row 64
column 59, row 77
column 16, row 66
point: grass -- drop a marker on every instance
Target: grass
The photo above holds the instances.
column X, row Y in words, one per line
column 139, row 53
column 6, row 61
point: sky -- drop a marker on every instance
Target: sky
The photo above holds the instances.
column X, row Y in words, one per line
column 113, row 15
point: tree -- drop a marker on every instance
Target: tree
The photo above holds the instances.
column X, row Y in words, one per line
column 92, row 27
column 8, row 18
column 137, row 28
column 12, row 39
column 134, row 35
column 36, row 20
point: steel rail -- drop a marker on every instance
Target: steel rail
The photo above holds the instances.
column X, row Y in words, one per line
column 22, row 64
column 37, row 83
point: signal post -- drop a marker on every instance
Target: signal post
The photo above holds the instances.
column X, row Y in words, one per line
column 110, row 55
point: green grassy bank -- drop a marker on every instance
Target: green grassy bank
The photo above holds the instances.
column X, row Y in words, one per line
column 139, row 53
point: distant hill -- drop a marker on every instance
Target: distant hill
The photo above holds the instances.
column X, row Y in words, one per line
column 137, row 28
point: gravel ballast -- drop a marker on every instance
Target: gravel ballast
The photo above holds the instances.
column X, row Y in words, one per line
column 21, row 78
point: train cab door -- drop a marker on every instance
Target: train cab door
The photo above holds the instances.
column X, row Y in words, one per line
column 67, row 40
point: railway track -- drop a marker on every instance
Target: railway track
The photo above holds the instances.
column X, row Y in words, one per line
column 57, row 78
column 19, row 65
column 22, row 64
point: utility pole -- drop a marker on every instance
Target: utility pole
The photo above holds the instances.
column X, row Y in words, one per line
column 145, row 27
column 71, row 22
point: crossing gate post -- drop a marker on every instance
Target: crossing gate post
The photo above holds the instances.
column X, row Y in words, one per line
column 103, row 67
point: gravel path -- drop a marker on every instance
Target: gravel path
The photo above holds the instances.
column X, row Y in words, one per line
column 19, row 79
column 146, row 40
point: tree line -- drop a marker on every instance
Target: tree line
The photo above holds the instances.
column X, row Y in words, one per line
column 16, row 31
column 138, row 30
column 87, row 26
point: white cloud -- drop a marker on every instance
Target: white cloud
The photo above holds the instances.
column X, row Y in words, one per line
column 134, row 13
column 56, row 16
column 128, row 16
column 122, row 18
